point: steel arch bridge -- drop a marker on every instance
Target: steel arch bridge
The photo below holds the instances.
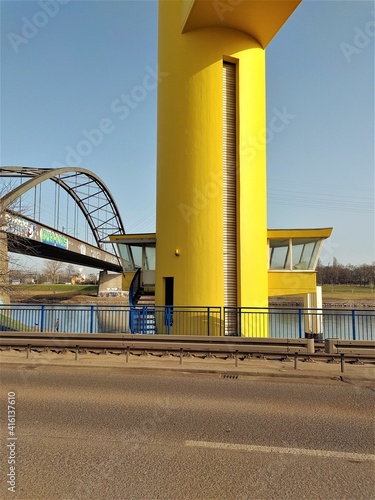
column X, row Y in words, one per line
column 90, row 195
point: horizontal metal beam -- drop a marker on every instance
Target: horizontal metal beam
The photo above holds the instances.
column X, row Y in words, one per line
column 161, row 343
column 31, row 238
column 180, row 346
column 336, row 346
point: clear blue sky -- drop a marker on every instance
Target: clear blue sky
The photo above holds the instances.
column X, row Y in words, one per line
column 65, row 76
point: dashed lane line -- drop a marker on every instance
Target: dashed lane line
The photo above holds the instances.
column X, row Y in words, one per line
column 274, row 449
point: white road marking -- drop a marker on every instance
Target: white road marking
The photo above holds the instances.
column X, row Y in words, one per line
column 275, row 449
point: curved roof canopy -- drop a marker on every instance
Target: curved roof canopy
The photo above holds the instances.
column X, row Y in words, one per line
column 260, row 19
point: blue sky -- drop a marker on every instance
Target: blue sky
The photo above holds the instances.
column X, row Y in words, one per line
column 63, row 78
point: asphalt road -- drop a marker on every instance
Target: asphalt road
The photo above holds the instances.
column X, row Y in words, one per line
column 90, row 433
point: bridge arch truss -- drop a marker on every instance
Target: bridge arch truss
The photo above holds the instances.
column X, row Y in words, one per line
column 86, row 189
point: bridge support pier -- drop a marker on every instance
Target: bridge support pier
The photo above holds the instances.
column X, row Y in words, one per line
column 4, row 271
column 107, row 280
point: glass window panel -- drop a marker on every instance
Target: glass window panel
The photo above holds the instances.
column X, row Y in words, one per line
column 280, row 255
column 150, row 258
column 314, row 255
column 137, row 255
column 125, row 257
column 297, row 250
column 307, row 253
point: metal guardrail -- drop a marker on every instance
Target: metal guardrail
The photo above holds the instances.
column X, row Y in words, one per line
column 235, row 347
column 296, row 323
column 336, row 346
column 161, row 343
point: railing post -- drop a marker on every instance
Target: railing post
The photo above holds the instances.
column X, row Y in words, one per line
column 144, row 312
column 131, row 319
column 168, row 321
column 224, row 319
column 92, row 319
column 300, row 323
column 168, row 317
column 353, row 324
column 208, row 321
column 239, row 322
column 221, row 321
column 42, row 317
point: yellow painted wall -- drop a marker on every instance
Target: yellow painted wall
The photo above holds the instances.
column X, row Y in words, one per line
column 127, row 280
column 189, row 170
column 291, row 283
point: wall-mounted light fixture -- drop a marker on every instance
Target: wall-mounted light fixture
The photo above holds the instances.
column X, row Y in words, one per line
column 177, row 252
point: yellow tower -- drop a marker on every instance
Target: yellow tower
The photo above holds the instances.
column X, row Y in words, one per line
column 211, row 227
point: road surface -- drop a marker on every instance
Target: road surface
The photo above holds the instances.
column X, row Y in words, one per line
column 108, row 433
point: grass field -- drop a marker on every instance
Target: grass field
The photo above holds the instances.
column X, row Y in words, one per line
column 330, row 292
column 52, row 288
column 349, row 292
column 52, row 293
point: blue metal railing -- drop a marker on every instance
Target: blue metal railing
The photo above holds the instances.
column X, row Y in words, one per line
column 314, row 323
column 346, row 324
column 176, row 320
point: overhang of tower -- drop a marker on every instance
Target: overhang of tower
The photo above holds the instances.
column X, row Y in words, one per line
column 260, row 19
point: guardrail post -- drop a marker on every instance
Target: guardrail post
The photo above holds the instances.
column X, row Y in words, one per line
column 92, row 319
column 342, row 362
column 42, row 318
column 300, row 323
column 329, row 345
column 310, row 346
column 295, row 360
column 353, row 324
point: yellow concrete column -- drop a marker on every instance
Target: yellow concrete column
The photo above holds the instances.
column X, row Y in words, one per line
column 190, row 163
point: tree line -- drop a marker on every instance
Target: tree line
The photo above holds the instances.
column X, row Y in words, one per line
column 52, row 272
column 338, row 274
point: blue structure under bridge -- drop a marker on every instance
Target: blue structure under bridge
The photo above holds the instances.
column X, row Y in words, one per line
column 345, row 324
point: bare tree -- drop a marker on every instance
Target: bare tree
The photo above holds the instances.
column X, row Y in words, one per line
column 337, row 274
column 70, row 271
column 93, row 278
column 9, row 239
column 5, row 187
column 52, row 269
